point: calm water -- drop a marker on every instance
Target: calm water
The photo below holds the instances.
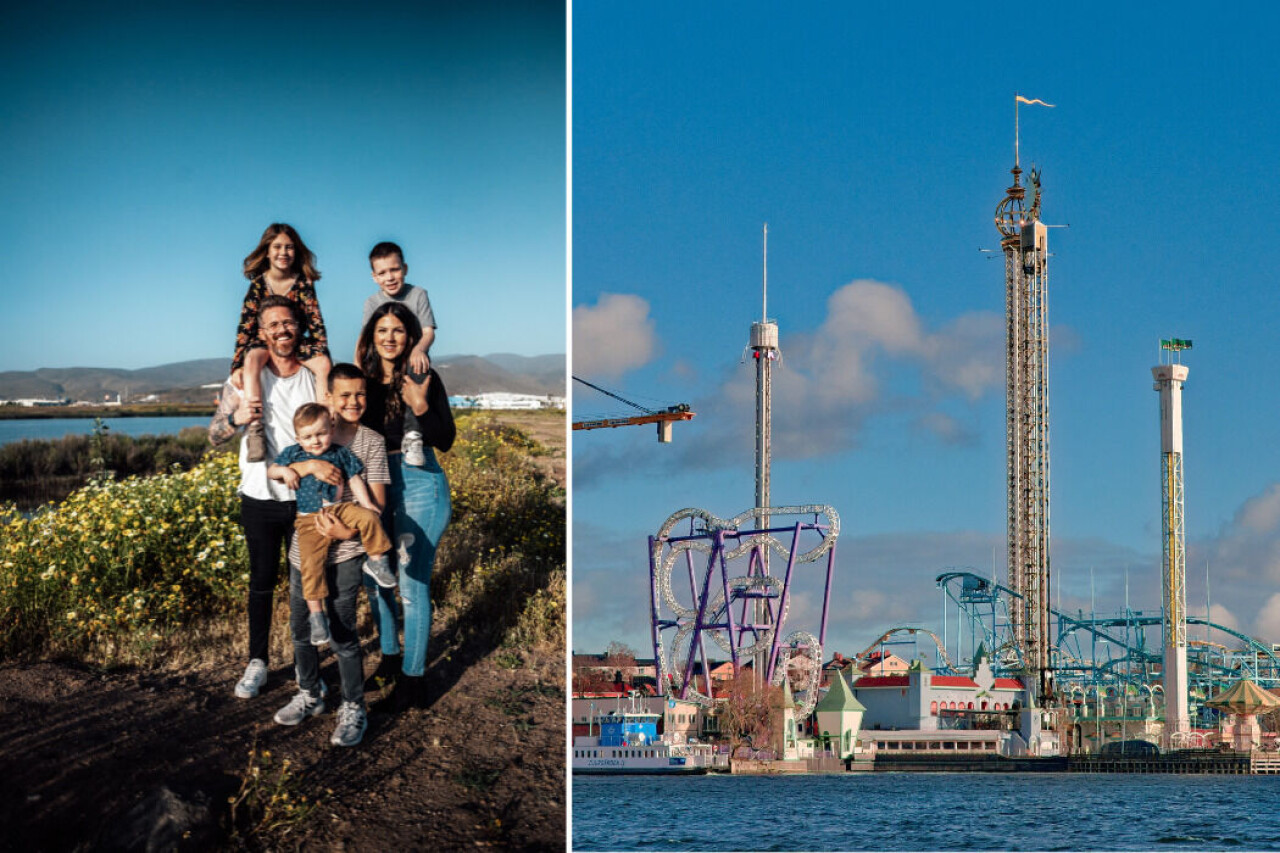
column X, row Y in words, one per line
column 928, row 811
column 53, row 428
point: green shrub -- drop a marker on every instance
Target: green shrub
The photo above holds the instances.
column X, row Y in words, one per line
column 504, row 550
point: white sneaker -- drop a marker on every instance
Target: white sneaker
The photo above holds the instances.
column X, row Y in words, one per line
column 301, row 706
column 255, row 675
column 351, row 725
column 412, row 446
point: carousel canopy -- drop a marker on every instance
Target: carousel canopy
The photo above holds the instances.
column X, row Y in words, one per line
column 1244, row 697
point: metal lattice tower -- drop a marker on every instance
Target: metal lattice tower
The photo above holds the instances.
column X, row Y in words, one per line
column 1024, row 240
column 1168, row 381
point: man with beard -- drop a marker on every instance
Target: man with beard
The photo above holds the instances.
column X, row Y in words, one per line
column 267, row 507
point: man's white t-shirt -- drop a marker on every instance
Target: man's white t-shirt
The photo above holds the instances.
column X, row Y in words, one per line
column 281, row 398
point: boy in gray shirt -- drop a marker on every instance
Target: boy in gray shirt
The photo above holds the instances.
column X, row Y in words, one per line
column 389, row 270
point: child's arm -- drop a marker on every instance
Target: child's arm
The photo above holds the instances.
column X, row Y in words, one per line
column 284, row 474
column 322, row 470
column 361, row 492
column 378, row 494
column 419, row 362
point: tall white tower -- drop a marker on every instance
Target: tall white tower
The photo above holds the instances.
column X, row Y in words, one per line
column 1168, row 381
column 764, row 349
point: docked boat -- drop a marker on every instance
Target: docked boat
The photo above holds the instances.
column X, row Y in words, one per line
column 628, row 742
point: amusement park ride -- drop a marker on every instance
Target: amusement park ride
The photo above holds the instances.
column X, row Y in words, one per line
column 1073, row 663
column 710, row 577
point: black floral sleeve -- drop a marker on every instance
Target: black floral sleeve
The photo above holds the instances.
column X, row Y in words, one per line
column 247, row 331
column 315, row 341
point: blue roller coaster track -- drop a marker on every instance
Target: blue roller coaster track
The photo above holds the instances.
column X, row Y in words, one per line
column 1097, row 656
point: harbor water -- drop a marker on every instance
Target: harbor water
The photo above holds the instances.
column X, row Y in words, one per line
column 55, row 428
column 927, row 811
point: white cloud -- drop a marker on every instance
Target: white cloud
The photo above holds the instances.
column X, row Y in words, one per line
column 1260, row 514
column 613, row 336
column 947, row 429
column 965, row 355
column 830, row 380
column 1224, row 617
column 1244, row 567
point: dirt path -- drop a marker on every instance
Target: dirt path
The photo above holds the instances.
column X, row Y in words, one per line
column 482, row 766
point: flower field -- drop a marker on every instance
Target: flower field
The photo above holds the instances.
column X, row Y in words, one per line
column 122, row 564
column 119, row 569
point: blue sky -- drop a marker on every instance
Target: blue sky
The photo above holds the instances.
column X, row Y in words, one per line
column 876, row 145
column 145, row 147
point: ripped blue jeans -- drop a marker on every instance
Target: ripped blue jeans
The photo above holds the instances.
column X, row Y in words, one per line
column 417, row 513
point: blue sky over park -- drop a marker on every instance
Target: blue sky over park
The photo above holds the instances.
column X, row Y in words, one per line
column 876, row 144
column 145, row 147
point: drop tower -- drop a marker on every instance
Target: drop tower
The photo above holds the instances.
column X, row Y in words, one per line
column 1169, row 377
column 1025, row 243
column 764, row 350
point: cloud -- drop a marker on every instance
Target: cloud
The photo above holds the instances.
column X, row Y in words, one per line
column 613, row 336
column 1244, row 566
column 610, row 588
column 1261, row 514
column 1267, row 622
column 830, row 380
column 946, row 429
column 1224, row 617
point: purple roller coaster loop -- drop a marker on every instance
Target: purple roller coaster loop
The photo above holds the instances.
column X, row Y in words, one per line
column 700, row 624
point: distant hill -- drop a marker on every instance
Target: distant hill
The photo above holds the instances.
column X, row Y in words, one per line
column 180, row 382
column 471, row 374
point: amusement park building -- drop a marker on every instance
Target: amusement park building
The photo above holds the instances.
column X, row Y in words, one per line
column 922, row 700
column 875, row 663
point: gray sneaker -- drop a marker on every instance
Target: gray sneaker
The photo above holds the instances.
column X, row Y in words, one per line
column 301, row 706
column 412, row 446
column 351, row 725
column 255, row 675
column 319, row 627
column 379, row 568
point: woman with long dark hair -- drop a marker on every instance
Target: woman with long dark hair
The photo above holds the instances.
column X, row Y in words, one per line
column 418, row 499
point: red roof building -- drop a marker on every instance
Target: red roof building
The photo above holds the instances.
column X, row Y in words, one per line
column 922, row 700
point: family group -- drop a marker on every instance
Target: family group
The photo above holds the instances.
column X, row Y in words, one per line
column 338, row 470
